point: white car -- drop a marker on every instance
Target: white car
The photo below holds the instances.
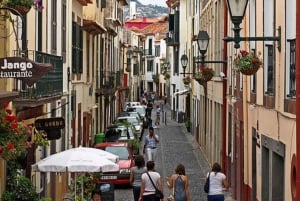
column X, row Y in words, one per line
column 134, row 121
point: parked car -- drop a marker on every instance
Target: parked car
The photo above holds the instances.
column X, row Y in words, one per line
column 126, row 162
column 119, row 133
column 138, row 125
column 141, row 109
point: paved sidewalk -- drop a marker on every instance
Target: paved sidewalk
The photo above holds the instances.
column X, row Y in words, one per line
column 177, row 145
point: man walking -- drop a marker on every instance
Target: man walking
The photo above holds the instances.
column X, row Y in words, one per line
column 150, row 146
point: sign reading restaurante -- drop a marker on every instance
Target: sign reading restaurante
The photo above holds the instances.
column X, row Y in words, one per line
column 23, row 69
column 15, row 69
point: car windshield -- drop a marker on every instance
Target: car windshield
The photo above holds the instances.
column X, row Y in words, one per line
column 140, row 110
column 122, row 152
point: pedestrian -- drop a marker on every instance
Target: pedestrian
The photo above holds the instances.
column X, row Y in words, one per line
column 147, row 188
column 165, row 98
column 136, row 175
column 157, row 120
column 179, row 184
column 217, row 183
column 96, row 195
column 150, row 146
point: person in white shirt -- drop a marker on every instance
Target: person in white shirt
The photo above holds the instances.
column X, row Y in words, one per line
column 217, row 184
column 147, row 188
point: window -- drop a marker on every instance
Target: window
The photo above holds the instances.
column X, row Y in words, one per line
column 150, row 66
column 269, row 90
column 157, row 51
column 63, row 31
column 53, row 26
column 291, row 70
column 76, row 48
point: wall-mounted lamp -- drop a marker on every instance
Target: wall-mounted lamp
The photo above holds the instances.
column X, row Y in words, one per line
column 184, row 62
column 237, row 11
column 129, row 56
column 202, row 42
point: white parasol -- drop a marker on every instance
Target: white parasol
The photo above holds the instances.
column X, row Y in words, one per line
column 81, row 159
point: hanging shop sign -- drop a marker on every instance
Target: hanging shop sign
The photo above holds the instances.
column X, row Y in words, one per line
column 24, row 69
column 50, row 123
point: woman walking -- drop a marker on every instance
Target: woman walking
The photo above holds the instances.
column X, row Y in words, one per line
column 179, row 184
column 136, row 176
column 147, row 187
column 217, row 184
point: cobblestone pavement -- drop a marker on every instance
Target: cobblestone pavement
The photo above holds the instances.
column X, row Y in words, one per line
column 176, row 146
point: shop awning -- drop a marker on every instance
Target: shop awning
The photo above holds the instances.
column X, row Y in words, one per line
column 183, row 92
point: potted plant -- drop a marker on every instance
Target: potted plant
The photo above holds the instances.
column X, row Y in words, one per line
column 16, row 136
column 167, row 76
column 188, row 124
column 204, row 75
column 247, row 63
column 186, row 80
column 128, row 69
column 22, row 6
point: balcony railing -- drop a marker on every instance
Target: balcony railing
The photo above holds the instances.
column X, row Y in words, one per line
column 148, row 52
column 49, row 85
column 172, row 39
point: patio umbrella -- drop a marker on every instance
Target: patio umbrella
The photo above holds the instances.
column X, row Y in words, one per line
column 81, row 159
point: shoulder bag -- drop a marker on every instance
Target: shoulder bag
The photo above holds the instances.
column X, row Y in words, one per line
column 158, row 194
column 206, row 185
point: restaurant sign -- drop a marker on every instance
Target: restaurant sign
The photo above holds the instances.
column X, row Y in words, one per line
column 24, row 69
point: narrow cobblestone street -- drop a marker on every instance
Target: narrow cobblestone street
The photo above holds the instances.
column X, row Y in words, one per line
column 176, row 146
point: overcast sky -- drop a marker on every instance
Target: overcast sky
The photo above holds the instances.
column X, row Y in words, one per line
column 154, row 2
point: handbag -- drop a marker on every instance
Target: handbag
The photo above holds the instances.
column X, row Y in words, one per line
column 206, row 185
column 171, row 196
column 158, row 193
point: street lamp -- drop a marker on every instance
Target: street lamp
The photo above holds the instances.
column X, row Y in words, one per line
column 237, row 11
column 184, row 61
column 202, row 42
column 129, row 56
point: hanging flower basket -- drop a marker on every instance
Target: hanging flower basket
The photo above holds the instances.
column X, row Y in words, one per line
column 205, row 74
column 155, row 78
column 186, row 80
column 21, row 10
column 247, row 63
column 128, row 69
column 22, row 7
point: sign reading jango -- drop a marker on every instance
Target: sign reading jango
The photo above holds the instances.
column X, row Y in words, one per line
column 24, row 69
column 15, row 69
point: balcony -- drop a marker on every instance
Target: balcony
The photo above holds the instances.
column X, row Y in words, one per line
column 172, row 39
column 148, row 53
column 107, row 84
column 45, row 90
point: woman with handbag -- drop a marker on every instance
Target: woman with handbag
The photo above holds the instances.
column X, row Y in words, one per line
column 217, row 184
column 179, row 184
column 151, row 187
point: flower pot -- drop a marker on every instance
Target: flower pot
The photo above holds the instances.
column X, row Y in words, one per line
column 21, row 10
column 250, row 70
column 186, row 82
column 203, row 79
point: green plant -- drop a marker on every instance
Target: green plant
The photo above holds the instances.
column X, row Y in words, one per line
column 16, row 136
column 37, row 4
column 188, row 122
column 45, row 199
column 167, row 76
column 204, row 75
column 186, row 80
column 246, row 60
column 155, row 78
column 20, row 188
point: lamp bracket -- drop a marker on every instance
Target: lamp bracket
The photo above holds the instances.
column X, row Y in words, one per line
column 263, row 38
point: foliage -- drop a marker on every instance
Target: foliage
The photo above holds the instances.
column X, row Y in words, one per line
column 45, row 199
column 155, row 78
column 186, row 80
column 20, row 188
column 16, row 136
column 83, row 183
column 205, row 74
column 167, row 76
column 37, row 4
column 246, row 60
column 188, row 122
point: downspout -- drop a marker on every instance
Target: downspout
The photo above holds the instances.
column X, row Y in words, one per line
column 297, row 100
column 224, row 104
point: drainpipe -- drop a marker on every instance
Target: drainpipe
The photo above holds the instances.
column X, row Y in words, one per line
column 224, row 104
column 297, row 100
